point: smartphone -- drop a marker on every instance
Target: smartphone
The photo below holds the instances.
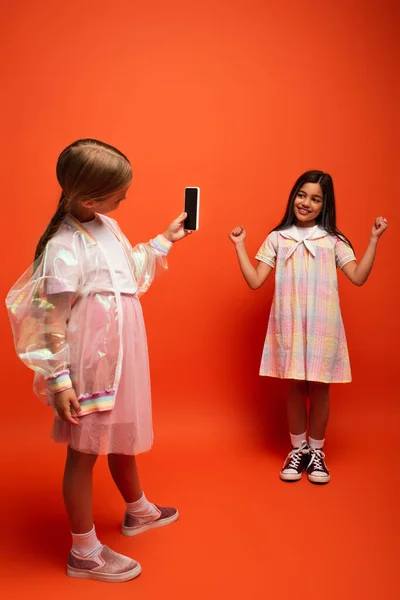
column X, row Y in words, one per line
column 192, row 208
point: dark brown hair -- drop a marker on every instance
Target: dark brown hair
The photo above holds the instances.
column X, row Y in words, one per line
column 327, row 217
column 86, row 170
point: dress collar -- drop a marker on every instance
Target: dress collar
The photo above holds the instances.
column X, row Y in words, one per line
column 291, row 233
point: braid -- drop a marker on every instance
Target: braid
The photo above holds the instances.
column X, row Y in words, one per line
column 86, row 170
column 53, row 226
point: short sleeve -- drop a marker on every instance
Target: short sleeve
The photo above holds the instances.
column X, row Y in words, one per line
column 61, row 268
column 343, row 253
column 267, row 252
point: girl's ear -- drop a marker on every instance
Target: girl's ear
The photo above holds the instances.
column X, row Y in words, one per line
column 88, row 203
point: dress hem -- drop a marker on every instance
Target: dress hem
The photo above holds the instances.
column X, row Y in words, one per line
column 313, row 380
column 66, row 443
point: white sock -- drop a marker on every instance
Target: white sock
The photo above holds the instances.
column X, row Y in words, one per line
column 316, row 444
column 297, row 440
column 143, row 510
column 85, row 545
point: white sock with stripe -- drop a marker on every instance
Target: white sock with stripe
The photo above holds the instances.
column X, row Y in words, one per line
column 143, row 510
column 86, row 545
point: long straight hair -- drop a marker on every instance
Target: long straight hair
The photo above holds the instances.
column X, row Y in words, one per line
column 327, row 217
column 86, row 170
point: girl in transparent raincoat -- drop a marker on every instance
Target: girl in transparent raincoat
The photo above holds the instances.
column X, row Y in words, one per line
column 78, row 323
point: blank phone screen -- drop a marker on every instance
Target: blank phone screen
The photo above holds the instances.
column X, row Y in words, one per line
column 191, row 200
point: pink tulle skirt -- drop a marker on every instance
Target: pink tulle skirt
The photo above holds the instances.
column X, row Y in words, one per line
column 127, row 428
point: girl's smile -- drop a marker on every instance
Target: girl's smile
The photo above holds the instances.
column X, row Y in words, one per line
column 308, row 204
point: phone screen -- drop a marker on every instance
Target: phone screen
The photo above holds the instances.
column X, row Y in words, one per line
column 191, row 208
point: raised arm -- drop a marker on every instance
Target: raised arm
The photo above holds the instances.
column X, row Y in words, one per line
column 254, row 276
column 359, row 273
column 151, row 257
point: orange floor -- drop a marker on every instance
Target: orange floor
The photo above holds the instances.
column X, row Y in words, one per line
column 242, row 533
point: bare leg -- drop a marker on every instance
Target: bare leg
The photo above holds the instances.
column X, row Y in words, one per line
column 319, row 409
column 125, row 474
column 297, row 406
column 77, row 490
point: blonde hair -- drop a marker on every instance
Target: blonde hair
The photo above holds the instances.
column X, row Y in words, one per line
column 86, row 170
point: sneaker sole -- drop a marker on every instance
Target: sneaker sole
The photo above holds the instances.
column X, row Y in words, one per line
column 319, row 480
column 290, row 477
column 105, row 577
column 130, row 531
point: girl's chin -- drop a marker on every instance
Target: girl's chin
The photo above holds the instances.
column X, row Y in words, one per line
column 305, row 218
column 305, row 221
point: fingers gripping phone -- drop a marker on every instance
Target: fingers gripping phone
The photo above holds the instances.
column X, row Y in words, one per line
column 192, row 208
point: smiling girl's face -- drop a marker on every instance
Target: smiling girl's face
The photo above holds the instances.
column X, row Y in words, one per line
column 308, row 204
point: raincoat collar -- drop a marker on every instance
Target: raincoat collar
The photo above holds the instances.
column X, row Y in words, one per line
column 78, row 226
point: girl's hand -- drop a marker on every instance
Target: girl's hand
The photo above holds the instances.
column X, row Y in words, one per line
column 66, row 404
column 238, row 235
column 176, row 231
column 378, row 228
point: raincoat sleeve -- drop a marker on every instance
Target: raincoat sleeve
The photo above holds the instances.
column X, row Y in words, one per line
column 148, row 259
column 39, row 306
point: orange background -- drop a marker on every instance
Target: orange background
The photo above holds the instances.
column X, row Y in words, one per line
column 239, row 98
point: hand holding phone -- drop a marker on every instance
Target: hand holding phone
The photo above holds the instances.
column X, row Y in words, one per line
column 192, row 208
column 176, row 231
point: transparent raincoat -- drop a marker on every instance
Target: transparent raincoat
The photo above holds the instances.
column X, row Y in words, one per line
column 66, row 329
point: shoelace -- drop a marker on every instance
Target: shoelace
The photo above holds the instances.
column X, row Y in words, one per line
column 295, row 457
column 317, row 457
